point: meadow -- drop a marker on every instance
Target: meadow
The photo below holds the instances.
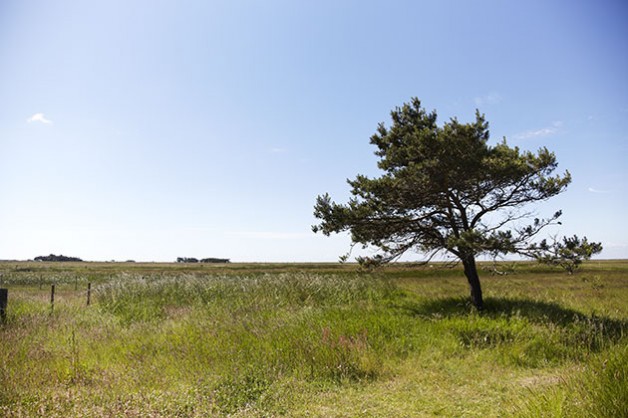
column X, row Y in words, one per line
column 302, row 340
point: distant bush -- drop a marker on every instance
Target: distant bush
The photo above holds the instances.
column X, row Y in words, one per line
column 203, row 260
column 187, row 260
column 215, row 260
column 53, row 257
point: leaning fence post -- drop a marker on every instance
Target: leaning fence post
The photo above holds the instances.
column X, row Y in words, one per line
column 52, row 298
column 89, row 292
column 4, row 297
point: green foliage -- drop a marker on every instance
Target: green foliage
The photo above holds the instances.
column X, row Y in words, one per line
column 439, row 186
column 568, row 254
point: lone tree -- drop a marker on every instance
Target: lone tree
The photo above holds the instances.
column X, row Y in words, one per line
column 444, row 189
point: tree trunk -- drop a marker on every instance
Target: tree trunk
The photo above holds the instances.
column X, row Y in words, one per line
column 471, row 271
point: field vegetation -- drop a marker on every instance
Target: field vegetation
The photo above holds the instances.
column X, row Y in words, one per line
column 253, row 340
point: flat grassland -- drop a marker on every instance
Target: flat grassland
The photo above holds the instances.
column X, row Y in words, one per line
column 301, row 340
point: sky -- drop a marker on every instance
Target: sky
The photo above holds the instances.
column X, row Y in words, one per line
column 153, row 129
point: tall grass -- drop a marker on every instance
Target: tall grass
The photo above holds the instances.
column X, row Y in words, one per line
column 277, row 291
column 196, row 344
column 599, row 390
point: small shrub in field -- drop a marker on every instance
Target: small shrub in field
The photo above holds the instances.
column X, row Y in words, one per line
column 568, row 254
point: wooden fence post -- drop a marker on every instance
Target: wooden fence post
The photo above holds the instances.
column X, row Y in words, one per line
column 4, row 298
column 89, row 292
column 52, row 298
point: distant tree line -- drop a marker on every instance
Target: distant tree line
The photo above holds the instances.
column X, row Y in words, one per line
column 202, row 260
column 59, row 257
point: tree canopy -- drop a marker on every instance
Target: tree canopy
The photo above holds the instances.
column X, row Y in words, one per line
column 444, row 188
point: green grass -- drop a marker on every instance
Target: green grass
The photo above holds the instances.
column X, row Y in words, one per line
column 313, row 340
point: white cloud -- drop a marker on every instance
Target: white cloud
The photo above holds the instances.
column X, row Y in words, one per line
column 270, row 235
column 278, row 150
column 539, row 133
column 489, row 99
column 38, row 117
column 592, row 190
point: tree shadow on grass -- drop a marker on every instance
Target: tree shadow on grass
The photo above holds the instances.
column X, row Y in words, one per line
column 537, row 312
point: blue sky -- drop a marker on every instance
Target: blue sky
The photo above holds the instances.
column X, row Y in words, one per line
column 149, row 130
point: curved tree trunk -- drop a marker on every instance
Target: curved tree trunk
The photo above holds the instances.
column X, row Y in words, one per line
column 471, row 271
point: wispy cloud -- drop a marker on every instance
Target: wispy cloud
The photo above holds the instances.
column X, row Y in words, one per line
column 38, row 117
column 592, row 190
column 278, row 150
column 270, row 235
column 539, row 133
column 489, row 99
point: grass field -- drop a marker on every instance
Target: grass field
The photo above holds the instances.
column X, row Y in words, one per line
column 249, row 340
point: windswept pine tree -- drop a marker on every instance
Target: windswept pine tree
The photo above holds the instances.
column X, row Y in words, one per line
column 444, row 189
